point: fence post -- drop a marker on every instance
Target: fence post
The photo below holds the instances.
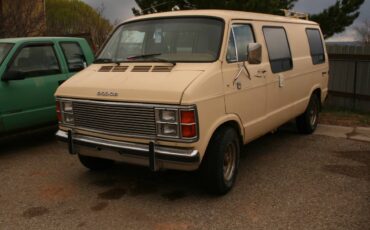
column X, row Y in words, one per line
column 355, row 86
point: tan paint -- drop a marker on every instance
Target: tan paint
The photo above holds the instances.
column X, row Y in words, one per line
column 258, row 106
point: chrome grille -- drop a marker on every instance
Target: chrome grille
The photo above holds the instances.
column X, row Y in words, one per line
column 115, row 118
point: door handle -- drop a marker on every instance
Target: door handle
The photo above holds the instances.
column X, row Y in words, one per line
column 260, row 73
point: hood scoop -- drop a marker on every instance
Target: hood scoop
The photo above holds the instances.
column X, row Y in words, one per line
column 113, row 69
column 137, row 68
column 105, row 69
column 162, row 68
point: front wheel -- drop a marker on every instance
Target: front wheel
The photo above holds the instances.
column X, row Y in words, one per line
column 307, row 122
column 221, row 162
column 94, row 163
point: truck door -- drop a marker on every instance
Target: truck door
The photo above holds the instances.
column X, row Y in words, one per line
column 283, row 87
column 245, row 84
column 31, row 78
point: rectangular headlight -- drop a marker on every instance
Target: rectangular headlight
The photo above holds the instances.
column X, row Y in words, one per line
column 167, row 115
column 68, row 118
column 67, row 107
column 170, row 130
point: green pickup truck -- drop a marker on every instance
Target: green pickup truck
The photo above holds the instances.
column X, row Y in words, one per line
column 31, row 69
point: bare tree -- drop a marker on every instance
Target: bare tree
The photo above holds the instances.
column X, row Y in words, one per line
column 363, row 31
column 22, row 18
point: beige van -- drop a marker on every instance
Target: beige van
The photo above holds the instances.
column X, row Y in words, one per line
column 185, row 90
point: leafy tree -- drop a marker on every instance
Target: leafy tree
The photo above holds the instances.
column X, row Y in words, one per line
column 69, row 17
column 332, row 20
column 21, row 18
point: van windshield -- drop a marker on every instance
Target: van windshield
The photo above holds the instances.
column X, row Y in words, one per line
column 166, row 39
column 4, row 50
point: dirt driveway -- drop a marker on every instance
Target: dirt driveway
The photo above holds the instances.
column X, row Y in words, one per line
column 286, row 181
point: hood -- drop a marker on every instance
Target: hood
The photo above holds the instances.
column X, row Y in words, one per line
column 134, row 83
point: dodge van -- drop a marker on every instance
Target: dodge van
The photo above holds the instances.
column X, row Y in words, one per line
column 31, row 69
column 186, row 90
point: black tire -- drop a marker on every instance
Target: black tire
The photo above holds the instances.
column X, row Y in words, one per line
column 94, row 163
column 220, row 164
column 307, row 122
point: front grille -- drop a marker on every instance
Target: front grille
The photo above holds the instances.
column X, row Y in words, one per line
column 115, row 118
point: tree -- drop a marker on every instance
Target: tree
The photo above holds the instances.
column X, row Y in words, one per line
column 21, row 18
column 363, row 30
column 70, row 17
column 332, row 20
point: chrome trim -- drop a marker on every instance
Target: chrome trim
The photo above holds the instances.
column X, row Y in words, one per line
column 169, row 151
column 145, row 105
column 142, row 105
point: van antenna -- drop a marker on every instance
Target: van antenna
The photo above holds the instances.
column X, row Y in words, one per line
column 295, row 14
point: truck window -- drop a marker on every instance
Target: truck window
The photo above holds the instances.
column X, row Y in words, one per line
column 278, row 49
column 74, row 56
column 4, row 50
column 240, row 36
column 316, row 46
column 36, row 60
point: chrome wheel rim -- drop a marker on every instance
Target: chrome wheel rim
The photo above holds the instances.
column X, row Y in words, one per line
column 229, row 162
column 313, row 115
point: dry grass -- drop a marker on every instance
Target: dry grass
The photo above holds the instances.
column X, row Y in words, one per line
column 344, row 118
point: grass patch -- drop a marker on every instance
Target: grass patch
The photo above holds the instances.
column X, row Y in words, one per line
column 332, row 116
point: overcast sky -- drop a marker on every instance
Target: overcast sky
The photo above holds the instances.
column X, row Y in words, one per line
column 121, row 10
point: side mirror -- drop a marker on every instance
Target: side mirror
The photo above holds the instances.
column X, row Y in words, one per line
column 13, row 75
column 254, row 53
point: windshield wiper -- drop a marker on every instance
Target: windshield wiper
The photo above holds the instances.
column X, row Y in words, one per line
column 151, row 57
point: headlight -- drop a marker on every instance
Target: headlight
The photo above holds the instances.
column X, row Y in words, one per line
column 68, row 118
column 168, row 130
column 65, row 112
column 177, row 123
column 167, row 115
column 67, row 107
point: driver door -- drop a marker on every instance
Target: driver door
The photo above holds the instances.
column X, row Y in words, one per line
column 245, row 84
column 27, row 99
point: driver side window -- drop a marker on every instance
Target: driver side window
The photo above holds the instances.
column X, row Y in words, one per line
column 35, row 61
column 240, row 36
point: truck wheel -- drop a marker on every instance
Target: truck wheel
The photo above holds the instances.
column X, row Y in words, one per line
column 221, row 162
column 307, row 122
column 94, row 163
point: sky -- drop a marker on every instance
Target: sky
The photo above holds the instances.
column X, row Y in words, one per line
column 121, row 10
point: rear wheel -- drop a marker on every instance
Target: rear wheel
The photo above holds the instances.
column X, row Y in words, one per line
column 307, row 122
column 94, row 163
column 221, row 162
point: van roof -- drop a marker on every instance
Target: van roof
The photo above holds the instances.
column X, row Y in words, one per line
column 38, row 39
column 227, row 15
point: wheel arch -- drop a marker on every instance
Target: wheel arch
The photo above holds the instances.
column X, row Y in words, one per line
column 230, row 120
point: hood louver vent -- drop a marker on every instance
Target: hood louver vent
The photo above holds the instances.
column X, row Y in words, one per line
column 141, row 69
column 162, row 68
column 120, row 69
column 105, row 68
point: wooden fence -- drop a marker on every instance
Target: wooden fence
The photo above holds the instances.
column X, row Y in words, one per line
column 349, row 82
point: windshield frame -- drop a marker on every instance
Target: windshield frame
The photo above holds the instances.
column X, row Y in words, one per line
column 222, row 37
column 7, row 53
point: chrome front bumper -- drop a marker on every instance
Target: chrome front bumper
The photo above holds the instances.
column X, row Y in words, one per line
column 152, row 155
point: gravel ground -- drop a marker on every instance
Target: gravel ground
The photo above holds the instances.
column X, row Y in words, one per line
column 286, row 181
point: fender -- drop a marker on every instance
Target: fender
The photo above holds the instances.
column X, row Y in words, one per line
column 219, row 122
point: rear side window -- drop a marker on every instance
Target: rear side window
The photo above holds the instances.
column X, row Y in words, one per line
column 278, row 49
column 240, row 36
column 316, row 46
column 73, row 53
